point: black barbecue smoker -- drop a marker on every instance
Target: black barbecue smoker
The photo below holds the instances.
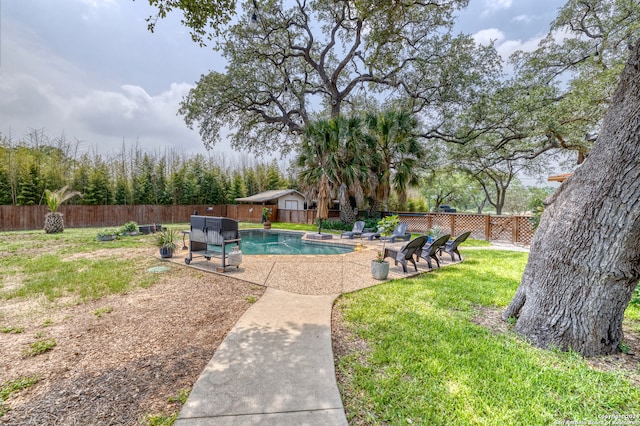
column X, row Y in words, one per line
column 210, row 237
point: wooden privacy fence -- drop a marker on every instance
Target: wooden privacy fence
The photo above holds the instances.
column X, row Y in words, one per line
column 13, row 218
column 516, row 229
column 18, row 218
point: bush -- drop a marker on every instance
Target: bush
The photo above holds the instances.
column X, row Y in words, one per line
column 107, row 232
column 129, row 228
column 336, row 225
column 371, row 224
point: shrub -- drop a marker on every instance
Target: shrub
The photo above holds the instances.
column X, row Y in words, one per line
column 129, row 228
column 336, row 225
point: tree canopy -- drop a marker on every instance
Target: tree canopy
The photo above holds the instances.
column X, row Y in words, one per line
column 292, row 63
column 334, row 148
column 289, row 64
column 206, row 18
column 28, row 168
column 558, row 94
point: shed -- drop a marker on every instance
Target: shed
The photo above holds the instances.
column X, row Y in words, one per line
column 286, row 199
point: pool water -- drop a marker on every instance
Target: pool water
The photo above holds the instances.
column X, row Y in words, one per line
column 259, row 242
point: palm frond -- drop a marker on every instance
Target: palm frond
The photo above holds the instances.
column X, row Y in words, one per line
column 55, row 199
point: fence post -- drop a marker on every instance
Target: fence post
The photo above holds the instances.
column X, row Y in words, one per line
column 514, row 229
column 452, row 221
column 487, row 227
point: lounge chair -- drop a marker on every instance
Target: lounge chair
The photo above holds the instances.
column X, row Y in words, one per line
column 356, row 231
column 430, row 251
column 451, row 246
column 406, row 252
column 400, row 233
column 371, row 235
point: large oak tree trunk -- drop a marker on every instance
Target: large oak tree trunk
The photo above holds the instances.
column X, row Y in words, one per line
column 585, row 256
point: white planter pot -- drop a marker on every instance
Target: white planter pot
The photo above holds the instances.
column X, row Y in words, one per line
column 379, row 271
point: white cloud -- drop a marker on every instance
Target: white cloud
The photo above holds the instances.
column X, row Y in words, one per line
column 132, row 113
column 522, row 19
column 99, row 3
column 495, row 5
column 504, row 46
column 95, row 7
column 508, row 47
column 488, row 36
column 40, row 90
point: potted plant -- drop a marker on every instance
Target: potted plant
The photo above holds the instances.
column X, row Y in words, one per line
column 266, row 215
column 433, row 234
column 129, row 228
column 107, row 234
column 379, row 266
column 166, row 242
column 53, row 221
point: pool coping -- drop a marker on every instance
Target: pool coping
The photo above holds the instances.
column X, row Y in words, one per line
column 306, row 240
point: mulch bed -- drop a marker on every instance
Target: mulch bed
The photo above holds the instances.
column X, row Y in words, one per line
column 126, row 364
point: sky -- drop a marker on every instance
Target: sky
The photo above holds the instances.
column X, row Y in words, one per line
column 89, row 70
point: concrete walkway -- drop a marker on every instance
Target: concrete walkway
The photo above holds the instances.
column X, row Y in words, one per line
column 275, row 367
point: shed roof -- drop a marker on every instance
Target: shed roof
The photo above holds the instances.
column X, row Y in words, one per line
column 559, row 178
column 266, row 196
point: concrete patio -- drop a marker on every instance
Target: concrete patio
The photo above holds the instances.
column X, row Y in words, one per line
column 313, row 274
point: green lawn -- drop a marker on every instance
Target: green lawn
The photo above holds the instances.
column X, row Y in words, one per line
column 428, row 363
column 72, row 264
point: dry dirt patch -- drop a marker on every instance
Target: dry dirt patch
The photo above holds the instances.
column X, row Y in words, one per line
column 116, row 368
column 123, row 253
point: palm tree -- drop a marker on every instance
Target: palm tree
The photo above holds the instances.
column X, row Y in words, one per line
column 53, row 221
column 401, row 153
column 338, row 148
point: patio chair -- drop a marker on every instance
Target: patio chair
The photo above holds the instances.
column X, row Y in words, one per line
column 405, row 253
column 430, row 251
column 400, row 233
column 451, row 246
column 371, row 235
column 356, row 231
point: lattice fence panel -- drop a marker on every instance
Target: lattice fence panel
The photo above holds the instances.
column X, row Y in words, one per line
column 471, row 222
column 501, row 228
column 442, row 222
column 525, row 230
column 416, row 223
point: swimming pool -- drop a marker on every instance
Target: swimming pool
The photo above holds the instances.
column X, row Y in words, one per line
column 270, row 242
